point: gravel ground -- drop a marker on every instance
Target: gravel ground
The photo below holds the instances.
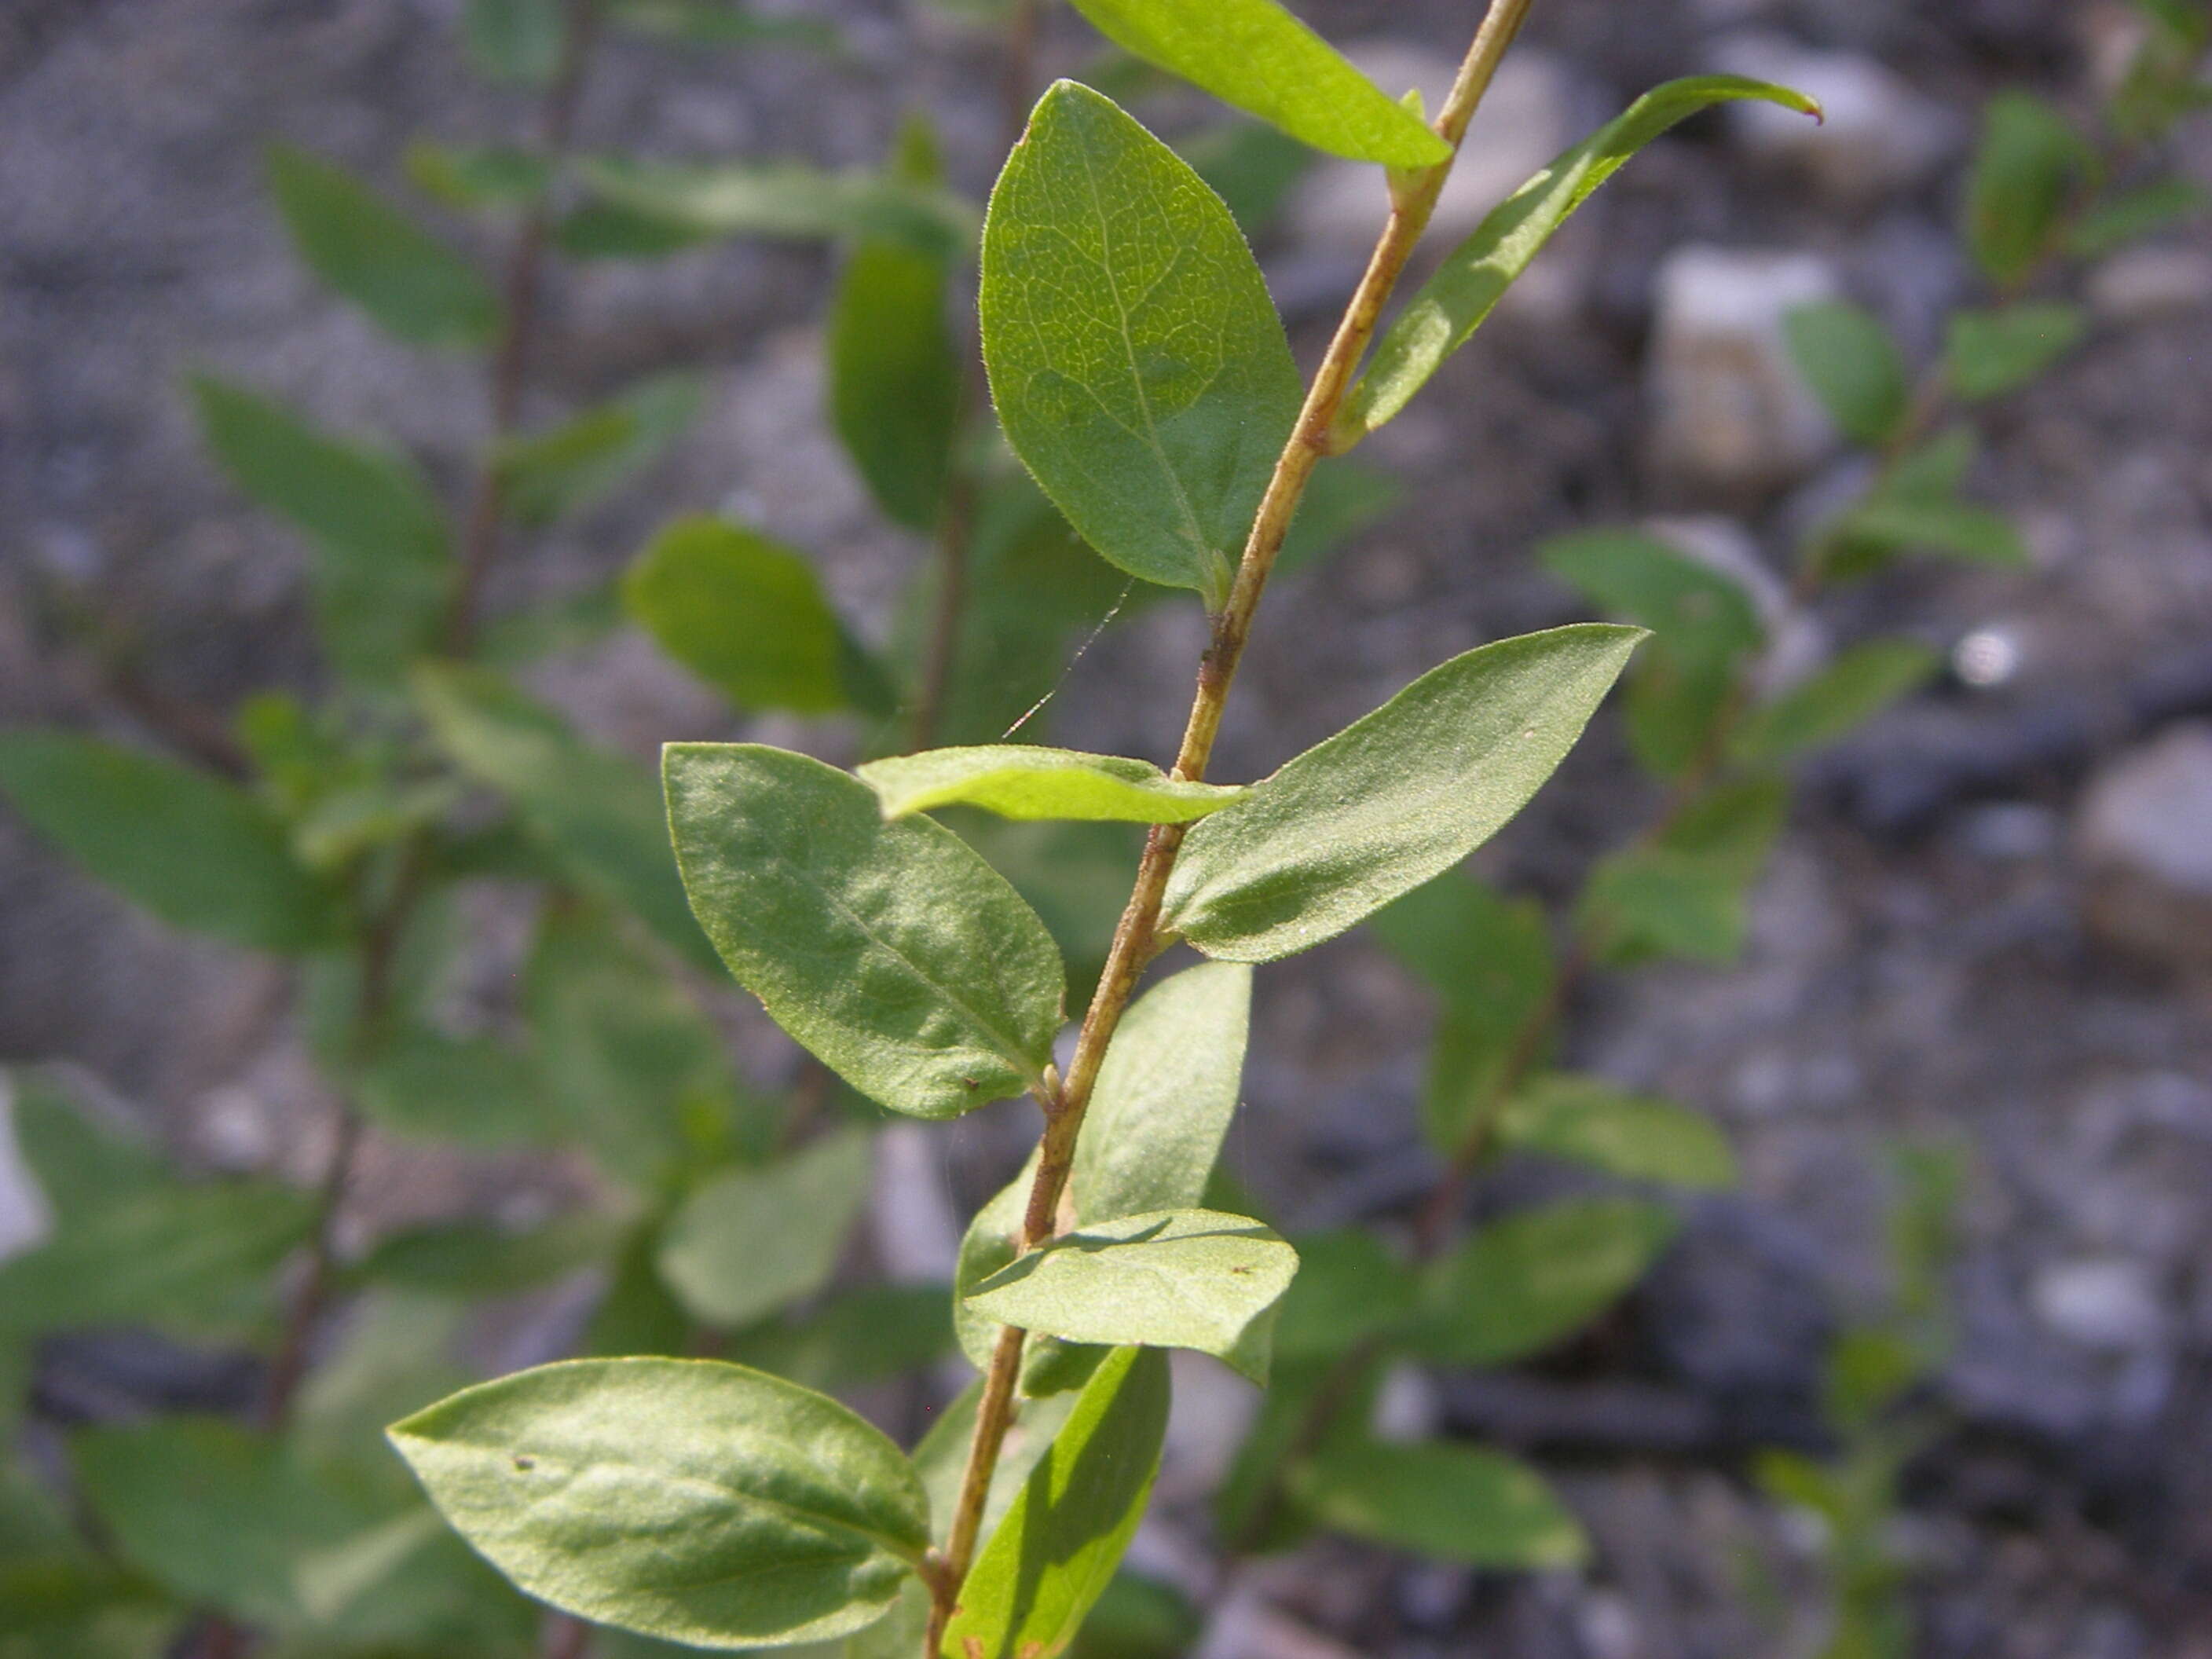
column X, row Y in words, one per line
column 1937, row 971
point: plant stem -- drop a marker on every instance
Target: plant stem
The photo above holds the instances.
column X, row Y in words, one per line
column 1136, row 940
column 521, row 288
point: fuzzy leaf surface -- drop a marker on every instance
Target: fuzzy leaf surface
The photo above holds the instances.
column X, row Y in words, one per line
column 1138, row 367
column 1257, row 56
column 690, row 1500
column 890, row 951
column 1392, row 799
column 200, row 853
column 1174, row 1279
column 1055, row 1551
column 1020, row 781
column 1452, row 303
column 752, row 1241
column 365, row 249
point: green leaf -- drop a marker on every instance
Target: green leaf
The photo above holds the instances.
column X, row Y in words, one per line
column 1462, row 1504
column 861, row 1336
column 685, row 1499
column 570, row 622
column 1963, row 530
column 1250, row 167
column 1935, row 470
column 1587, row 1121
column 1989, row 353
column 381, row 572
column 1255, row 55
column 469, row 178
column 1852, row 364
column 1392, row 799
column 1173, row 1278
column 890, row 951
column 1857, row 685
column 596, row 810
column 1518, row 1285
column 547, row 475
column 743, row 613
column 368, row 251
column 517, row 41
column 200, row 853
column 1020, row 781
column 481, row 1258
column 2114, row 223
column 988, row 1246
column 1138, row 367
column 895, row 377
column 1138, row 1617
column 692, row 201
column 83, row 1164
column 751, row 1241
column 1351, row 1288
column 1452, row 303
column 2023, row 172
column 1054, row 1554
column 1687, row 894
column 473, row 1091
column 1343, row 497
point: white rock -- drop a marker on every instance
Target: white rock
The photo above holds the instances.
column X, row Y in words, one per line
column 2144, row 836
column 1521, row 125
column 2104, row 1302
column 1878, row 135
column 1729, row 409
column 2144, row 283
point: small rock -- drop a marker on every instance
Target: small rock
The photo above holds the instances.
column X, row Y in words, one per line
column 1730, row 412
column 1878, row 135
column 2104, row 1303
column 1521, row 125
column 2009, row 831
column 2144, row 834
column 2147, row 282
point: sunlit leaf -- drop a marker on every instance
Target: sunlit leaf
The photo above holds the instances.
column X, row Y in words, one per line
column 1020, row 781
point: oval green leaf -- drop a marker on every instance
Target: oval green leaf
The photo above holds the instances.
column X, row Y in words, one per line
column 1852, row 364
column 690, row 1500
column 1587, row 1121
column 895, row 377
column 754, row 1240
column 1016, row 780
column 1055, row 1551
column 892, row 951
column 1990, row 353
column 1463, row 1504
column 1173, row 1278
column 1857, row 685
column 1138, row 365
column 1256, row 56
column 1392, row 799
column 1452, row 304
column 200, row 853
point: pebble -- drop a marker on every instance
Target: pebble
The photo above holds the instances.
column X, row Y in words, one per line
column 1730, row 412
column 2144, row 835
column 1878, row 135
column 2103, row 1303
column 2142, row 283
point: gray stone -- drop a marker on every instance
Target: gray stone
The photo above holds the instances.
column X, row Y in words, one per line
column 1878, row 135
column 2142, row 283
column 2144, row 835
column 2104, row 1303
column 1729, row 411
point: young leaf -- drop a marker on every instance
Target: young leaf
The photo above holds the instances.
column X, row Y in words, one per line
column 685, row 203
column 549, row 474
column 366, row 250
column 598, row 812
column 1518, row 1285
column 1452, row 303
column 689, row 1500
column 1164, row 1096
column 743, row 613
column 1138, row 365
column 473, row 1091
column 1350, row 1288
column 2119, row 221
column 1392, row 799
column 1989, row 353
column 1174, row 1279
column 2023, row 171
column 1255, row 55
column 200, row 853
column 891, row 950
column 895, row 377
column 1963, row 530
column 1586, row 1121
column 517, row 41
column 1857, row 685
column 1852, row 364
column 1463, row 1504
column 1054, row 1554
column 381, row 572
column 1017, row 780
column 753, row 1241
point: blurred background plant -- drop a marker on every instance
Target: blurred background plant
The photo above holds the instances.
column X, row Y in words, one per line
column 497, row 972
